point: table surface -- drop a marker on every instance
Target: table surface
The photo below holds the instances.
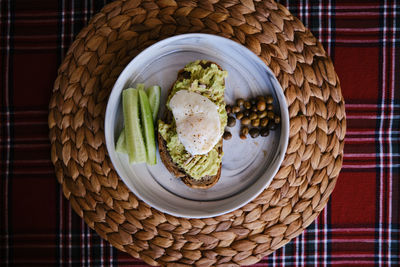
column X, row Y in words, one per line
column 359, row 226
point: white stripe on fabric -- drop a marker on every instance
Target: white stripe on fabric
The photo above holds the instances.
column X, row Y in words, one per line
column 329, row 27
column 325, row 211
column 83, row 243
column 321, row 31
column 321, row 38
column 343, row 240
column 297, row 251
column 325, row 232
column 274, row 259
column 393, row 67
column 369, row 132
column 372, row 140
column 355, row 255
column 381, row 143
column 61, row 210
column 63, row 29
column 303, row 240
column 89, row 243
column 356, row 240
column 369, row 166
column 370, row 155
column 352, row 262
column 355, row 30
column 372, row 117
column 101, row 252
column 111, row 255
column 316, row 226
column 307, row 14
column 91, row 8
column 69, row 40
column 299, row 239
column 345, row 7
column 311, row 230
column 60, row 230
column 369, row 140
column 72, row 21
column 359, row 7
column 356, row 230
column 373, row 106
column 8, row 139
column 85, row 13
column 358, row 14
column 69, row 235
column 362, row 41
column 301, row 11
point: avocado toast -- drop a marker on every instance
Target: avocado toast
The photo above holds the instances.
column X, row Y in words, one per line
column 196, row 170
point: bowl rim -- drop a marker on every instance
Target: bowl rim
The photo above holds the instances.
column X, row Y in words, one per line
column 121, row 81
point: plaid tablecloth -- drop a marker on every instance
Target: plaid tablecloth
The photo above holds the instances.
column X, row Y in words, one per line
column 359, row 226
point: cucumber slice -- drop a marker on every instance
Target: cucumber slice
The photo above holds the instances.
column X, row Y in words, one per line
column 133, row 134
column 140, row 86
column 121, row 143
column 148, row 128
column 154, row 94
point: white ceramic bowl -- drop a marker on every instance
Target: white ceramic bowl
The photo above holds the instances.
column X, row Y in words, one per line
column 248, row 166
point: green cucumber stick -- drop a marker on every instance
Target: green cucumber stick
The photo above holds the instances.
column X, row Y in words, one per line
column 133, row 133
column 121, row 143
column 154, row 94
column 140, row 86
column 148, row 128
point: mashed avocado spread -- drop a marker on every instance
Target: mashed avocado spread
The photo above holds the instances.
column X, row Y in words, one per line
column 209, row 82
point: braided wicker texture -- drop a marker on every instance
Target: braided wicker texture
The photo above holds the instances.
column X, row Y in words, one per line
column 299, row 191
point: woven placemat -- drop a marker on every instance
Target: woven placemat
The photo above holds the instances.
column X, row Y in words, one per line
column 299, row 191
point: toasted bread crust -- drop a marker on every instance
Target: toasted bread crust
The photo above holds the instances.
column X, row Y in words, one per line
column 166, row 158
column 172, row 167
column 203, row 183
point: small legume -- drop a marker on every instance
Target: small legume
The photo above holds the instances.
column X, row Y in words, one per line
column 240, row 102
column 261, row 105
column 231, row 121
column 254, row 132
column 264, row 122
column 245, row 121
column 228, row 109
column 255, row 122
column 235, row 109
column 264, row 132
column 253, row 116
column 227, row 135
column 262, row 114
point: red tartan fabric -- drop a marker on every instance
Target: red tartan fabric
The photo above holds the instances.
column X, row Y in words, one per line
column 359, row 226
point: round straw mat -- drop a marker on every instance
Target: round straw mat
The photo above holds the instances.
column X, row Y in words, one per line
column 299, row 191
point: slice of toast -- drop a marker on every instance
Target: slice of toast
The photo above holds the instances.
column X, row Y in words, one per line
column 206, row 181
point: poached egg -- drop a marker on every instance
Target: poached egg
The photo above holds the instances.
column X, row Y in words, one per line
column 197, row 121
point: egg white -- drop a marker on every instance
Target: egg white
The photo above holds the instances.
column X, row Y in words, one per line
column 197, row 121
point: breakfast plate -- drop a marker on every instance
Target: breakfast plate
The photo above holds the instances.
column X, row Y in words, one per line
column 248, row 166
